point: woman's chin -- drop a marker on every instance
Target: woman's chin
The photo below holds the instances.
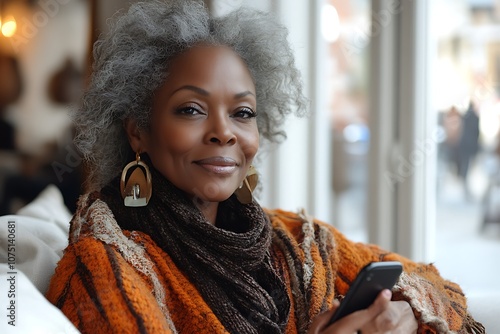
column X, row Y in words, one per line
column 211, row 191
column 221, row 197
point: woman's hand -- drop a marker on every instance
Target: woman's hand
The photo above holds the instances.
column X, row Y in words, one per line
column 383, row 316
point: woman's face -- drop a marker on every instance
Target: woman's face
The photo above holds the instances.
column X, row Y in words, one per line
column 203, row 135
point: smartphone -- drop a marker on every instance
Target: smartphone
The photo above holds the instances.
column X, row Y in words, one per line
column 372, row 279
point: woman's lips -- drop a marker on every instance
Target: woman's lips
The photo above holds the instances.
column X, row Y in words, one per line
column 218, row 165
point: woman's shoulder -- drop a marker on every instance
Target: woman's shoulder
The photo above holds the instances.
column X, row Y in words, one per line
column 295, row 219
column 297, row 225
column 91, row 214
column 94, row 225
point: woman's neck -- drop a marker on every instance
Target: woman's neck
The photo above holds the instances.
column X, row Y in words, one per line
column 208, row 209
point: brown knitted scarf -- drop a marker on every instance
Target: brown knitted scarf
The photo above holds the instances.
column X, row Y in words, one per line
column 230, row 263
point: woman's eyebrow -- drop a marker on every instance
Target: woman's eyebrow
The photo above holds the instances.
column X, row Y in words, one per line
column 201, row 91
column 243, row 94
column 195, row 89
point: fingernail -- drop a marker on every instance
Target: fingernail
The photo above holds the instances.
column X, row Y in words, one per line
column 387, row 294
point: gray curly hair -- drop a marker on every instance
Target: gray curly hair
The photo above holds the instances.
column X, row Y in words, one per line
column 132, row 62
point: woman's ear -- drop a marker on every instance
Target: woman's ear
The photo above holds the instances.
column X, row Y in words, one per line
column 136, row 138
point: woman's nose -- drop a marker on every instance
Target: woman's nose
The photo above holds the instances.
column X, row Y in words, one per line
column 219, row 130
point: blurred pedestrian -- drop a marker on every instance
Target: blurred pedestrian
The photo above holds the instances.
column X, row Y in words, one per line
column 452, row 123
column 468, row 146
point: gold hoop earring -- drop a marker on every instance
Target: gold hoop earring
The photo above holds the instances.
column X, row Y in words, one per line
column 136, row 189
column 244, row 192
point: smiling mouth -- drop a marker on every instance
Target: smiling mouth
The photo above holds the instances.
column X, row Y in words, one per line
column 218, row 165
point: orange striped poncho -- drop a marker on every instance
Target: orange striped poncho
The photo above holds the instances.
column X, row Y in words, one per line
column 115, row 281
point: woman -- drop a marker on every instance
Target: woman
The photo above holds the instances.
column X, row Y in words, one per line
column 178, row 105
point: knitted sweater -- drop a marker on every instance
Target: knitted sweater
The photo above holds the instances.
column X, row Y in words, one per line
column 115, row 281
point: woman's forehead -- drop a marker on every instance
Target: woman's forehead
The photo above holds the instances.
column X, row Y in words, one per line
column 209, row 65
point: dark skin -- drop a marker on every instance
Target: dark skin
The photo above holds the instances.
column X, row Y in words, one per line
column 203, row 135
column 203, row 138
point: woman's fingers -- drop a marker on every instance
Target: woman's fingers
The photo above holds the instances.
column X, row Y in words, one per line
column 358, row 320
column 388, row 319
column 397, row 318
column 380, row 317
column 355, row 321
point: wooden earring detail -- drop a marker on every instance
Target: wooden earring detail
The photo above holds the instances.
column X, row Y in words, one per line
column 135, row 183
column 244, row 192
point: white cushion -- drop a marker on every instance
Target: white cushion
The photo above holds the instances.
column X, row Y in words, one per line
column 32, row 242
column 41, row 234
column 38, row 247
column 49, row 206
column 30, row 311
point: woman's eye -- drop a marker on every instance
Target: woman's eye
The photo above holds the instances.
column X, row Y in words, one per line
column 189, row 110
column 245, row 113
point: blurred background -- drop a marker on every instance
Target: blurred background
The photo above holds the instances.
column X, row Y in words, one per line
column 355, row 164
column 462, row 75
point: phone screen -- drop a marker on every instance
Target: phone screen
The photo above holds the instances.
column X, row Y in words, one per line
column 372, row 279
